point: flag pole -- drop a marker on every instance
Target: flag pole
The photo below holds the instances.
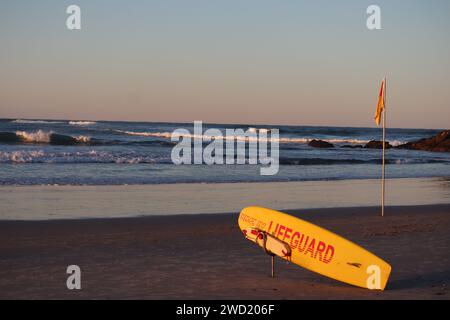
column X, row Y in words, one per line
column 383, row 172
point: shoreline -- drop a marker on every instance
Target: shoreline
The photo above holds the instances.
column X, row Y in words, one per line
column 84, row 202
column 434, row 177
column 204, row 256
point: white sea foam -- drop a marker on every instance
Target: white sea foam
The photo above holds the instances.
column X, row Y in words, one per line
column 38, row 136
column 396, row 143
column 147, row 134
column 168, row 135
column 83, row 139
column 41, row 136
column 81, row 123
column 92, row 156
column 24, row 121
column 20, row 156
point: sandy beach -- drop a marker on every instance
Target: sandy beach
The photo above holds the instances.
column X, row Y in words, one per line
column 206, row 257
column 123, row 201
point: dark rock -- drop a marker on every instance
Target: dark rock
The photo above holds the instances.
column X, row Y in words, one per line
column 438, row 143
column 375, row 144
column 320, row 144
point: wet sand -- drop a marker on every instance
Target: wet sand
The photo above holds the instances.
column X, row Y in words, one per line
column 206, row 257
column 110, row 201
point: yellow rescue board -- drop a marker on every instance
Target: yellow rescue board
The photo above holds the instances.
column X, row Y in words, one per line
column 317, row 249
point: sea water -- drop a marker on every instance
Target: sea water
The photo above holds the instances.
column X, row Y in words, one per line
column 73, row 152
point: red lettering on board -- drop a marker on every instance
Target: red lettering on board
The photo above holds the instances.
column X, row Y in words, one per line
column 305, row 244
column 329, row 254
column 276, row 229
column 300, row 248
column 320, row 249
column 287, row 234
column 293, row 243
column 280, row 233
column 270, row 226
column 311, row 247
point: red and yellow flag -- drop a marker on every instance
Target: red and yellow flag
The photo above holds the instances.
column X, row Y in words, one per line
column 381, row 102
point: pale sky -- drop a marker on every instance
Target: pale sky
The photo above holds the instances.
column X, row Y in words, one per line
column 230, row 61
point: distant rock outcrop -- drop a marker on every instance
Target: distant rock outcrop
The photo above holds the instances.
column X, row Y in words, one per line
column 320, row 144
column 438, row 143
column 375, row 144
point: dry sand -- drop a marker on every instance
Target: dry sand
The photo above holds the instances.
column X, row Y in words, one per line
column 206, row 257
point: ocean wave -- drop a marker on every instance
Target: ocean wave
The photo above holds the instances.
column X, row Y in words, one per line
column 163, row 139
column 83, row 157
column 51, row 138
column 38, row 136
column 24, row 121
column 42, row 137
column 9, row 137
column 167, row 135
column 82, row 123
column 300, row 140
column 396, row 143
column 131, row 157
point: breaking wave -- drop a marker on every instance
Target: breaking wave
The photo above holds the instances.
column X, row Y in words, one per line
column 92, row 156
column 72, row 122
column 82, row 123
column 131, row 157
column 42, row 137
column 51, row 138
column 24, row 121
column 168, row 135
column 38, row 136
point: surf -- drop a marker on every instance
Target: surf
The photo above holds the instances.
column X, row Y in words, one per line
column 82, row 123
column 287, row 140
column 42, row 137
